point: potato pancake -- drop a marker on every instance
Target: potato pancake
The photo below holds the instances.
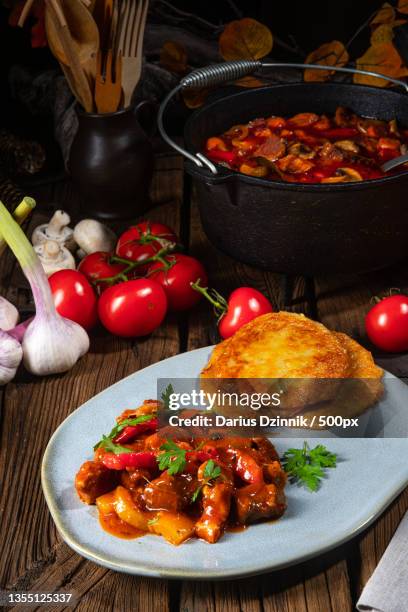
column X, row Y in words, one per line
column 280, row 345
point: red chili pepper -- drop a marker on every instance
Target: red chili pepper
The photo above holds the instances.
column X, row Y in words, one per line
column 145, row 459
column 222, row 156
column 336, row 133
column 132, row 431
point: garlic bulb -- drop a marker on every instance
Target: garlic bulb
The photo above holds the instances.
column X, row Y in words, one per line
column 51, row 343
column 8, row 315
column 11, row 355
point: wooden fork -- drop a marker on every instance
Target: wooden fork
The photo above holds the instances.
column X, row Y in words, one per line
column 108, row 86
column 132, row 25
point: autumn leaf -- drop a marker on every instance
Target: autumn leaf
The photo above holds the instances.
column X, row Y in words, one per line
column 386, row 14
column 330, row 54
column 382, row 58
column 173, row 56
column 403, row 7
column 195, row 97
column 383, row 34
column 245, row 39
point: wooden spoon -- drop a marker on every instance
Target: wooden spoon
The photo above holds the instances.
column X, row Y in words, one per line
column 85, row 37
column 63, row 47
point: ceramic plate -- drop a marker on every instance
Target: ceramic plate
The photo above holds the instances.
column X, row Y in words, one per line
column 370, row 474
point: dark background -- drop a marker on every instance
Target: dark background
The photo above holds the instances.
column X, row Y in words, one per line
column 304, row 24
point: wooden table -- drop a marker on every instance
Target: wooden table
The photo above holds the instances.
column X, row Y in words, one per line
column 34, row 558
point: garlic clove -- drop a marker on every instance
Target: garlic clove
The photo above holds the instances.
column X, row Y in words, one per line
column 8, row 315
column 11, row 355
column 56, row 229
column 91, row 236
column 53, row 346
column 54, row 257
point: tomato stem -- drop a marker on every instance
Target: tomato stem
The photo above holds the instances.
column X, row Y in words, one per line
column 216, row 299
column 131, row 265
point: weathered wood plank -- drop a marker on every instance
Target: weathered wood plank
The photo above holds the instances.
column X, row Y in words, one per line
column 33, row 557
column 342, row 303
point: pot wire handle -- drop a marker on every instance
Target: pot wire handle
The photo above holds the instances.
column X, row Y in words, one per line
column 204, row 77
column 230, row 71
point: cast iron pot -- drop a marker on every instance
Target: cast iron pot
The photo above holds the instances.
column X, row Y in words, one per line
column 299, row 228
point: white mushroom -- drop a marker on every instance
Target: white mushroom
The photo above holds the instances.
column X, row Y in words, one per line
column 56, row 229
column 54, row 257
column 92, row 236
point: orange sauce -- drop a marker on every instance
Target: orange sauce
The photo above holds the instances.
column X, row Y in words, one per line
column 115, row 526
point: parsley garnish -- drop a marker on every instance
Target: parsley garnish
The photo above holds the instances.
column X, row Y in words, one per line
column 211, row 472
column 306, row 466
column 153, row 520
column 118, row 428
column 166, row 396
column 172, row 459
column 107, row 444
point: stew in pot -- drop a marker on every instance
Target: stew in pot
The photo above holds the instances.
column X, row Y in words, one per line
column 310, row 148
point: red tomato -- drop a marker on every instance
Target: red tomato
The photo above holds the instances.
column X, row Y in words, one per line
column 97, row 266
column 133, row 308
column 387, row 324
column 74, row 297
column 176, row 281
column 244, row 304
column 144, row 240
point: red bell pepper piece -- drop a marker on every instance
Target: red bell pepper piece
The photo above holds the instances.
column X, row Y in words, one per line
column 203, row 455
column 132, row 431
column 222, row 156
column 121, row 461
column 336, row 133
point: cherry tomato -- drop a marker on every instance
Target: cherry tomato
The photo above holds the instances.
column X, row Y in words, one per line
column 144, row 240
column 244, row 304
column 176, row 280
column 387, row 324
column 133, row 308
column 74, row 297
column 97, row 266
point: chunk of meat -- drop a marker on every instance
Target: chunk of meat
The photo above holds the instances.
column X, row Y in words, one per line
column 330, row 152
column 273, row 473
column 273, row 148
column 322, row 124
column 172, row 493
column 275, row 122
column 303, row 119
column 94, row 479
column 132, row 479
column 256, row 502
column 265, row 448
column 216, row 501
column 294, row 165
column 148, row 407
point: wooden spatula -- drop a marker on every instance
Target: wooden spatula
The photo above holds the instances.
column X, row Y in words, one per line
column 62, row 45
column 108, row 87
